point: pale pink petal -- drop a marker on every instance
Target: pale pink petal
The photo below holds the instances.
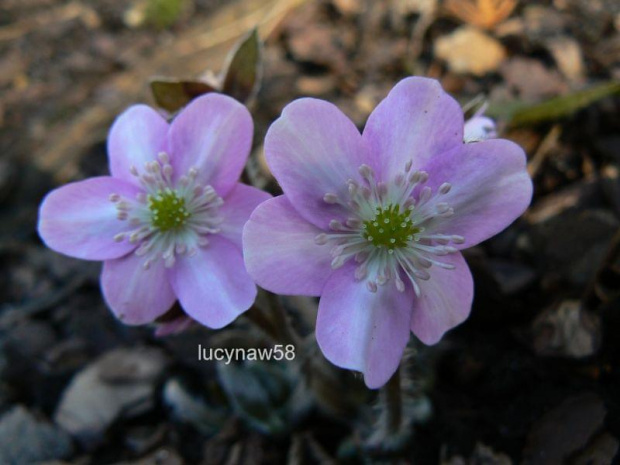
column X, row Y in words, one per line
column 314, row 149
column 135, row 295
column 137, row 136
column 214, row 135
column 361, row 330
column 280, row 252
column 490, row 189
column 213, row 286
column 79, row 219
column 416, row 121
column 238, row 206
column 445, row 300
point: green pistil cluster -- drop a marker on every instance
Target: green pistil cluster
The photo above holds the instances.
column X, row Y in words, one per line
column 390, row 228
column 168, row 210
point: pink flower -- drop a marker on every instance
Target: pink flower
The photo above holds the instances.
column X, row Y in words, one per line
column 167, row 223
column 374, row 223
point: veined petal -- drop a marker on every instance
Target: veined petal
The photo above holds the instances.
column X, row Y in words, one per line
column 79, row 220
column 237, row 208
column 416, row 121
column 136, row 137
column 280, row 252
column 445, row 300
column 213, row 286
column 314, row 149
column 214, row 135
column 135, row 295
column 490, row 189
column 361, row 330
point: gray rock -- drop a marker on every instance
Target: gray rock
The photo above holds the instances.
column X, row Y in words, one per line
column 120, row 383
column 26, row 439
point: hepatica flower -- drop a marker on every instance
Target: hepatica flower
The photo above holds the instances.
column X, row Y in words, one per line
column 167, row 223
column 374, row 223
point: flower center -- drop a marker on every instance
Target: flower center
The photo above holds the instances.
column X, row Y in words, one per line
column 169, row 218
column 167, row 210
column 395, row 230
column 391, row 227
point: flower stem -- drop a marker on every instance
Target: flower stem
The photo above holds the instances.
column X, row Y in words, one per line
column 391, row 398
column 282, row 321
column 273, row 320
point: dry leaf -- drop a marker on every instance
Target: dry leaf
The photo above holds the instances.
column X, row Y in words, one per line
column 172, row 94
column 568, row 56
column 468, row 50
column 482, row 13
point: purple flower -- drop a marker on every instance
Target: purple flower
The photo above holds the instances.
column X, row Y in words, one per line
column 374, row 223
column 167, row 223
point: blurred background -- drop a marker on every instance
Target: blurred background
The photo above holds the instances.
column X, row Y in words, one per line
column 532, row 377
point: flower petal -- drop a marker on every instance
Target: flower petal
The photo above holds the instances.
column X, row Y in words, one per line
column 361, row 330
column 238, row 206
column 214, row 134
column 213, row 286
column 280, row 252
column 445, row 300
column 416, row 121
column 135, row 295
column 136, row 137
column 79, row 220
column 314, row 149
column 490, row 189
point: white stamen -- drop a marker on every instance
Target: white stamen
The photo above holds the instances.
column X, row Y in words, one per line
column 186, row 212
column 445, row 188
column 414, row 253
column 330, row 198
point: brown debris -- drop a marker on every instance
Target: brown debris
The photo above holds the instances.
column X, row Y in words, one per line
column 481, row 13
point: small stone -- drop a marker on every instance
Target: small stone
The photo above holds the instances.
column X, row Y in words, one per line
column 567, row 331
column 26, row 439
column 510, row 276
column 565, row 430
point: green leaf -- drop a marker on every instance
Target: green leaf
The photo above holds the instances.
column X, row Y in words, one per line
column 164, row 13
column 243, row 73
column 563, row 106
column 173, row 94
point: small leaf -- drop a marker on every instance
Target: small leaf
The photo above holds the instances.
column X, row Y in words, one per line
column 174, row 94
column 243, row 73
column 563, row 106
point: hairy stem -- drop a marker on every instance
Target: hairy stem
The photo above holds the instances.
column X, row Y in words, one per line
column 391, row 398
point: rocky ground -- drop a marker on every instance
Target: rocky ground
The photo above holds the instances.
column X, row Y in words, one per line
column 532, row 377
